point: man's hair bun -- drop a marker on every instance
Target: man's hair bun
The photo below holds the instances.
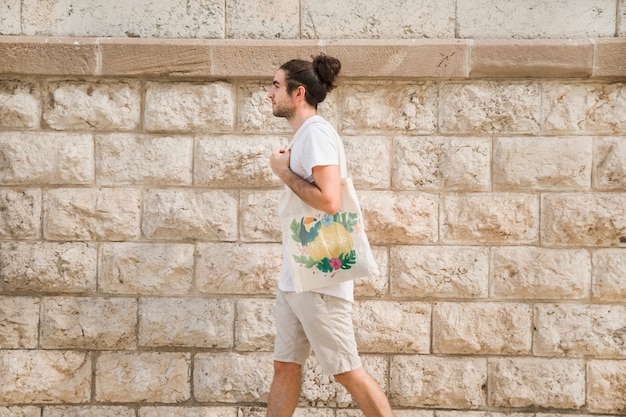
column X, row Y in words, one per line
column 327, row 68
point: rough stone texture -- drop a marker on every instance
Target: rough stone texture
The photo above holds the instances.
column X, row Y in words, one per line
column 362, row 19
column 47, row 267
column 88, row 323
column 383, row 326
column 145, row 268
column 482, row 328
column 20, row 213
column 238, row 269
column 581, row 108
column 21, row 103
column 146, row 18
column 189, row 322
column 28, row 411
column 578, row 18
column 580, row 330
column 96, row 411
column 402, row 217
column 431, row 271
column 234, row 162
column 166, row 411
column 608, row 275
column 266, row 20
column 232, row 377
column 46, row 158
column 523, row 163
column 430, row 381
column 92, row 214
column 159, row 377
column 583, row 219
column 606, row 386
column 505, row 218
column 259, row 216
column 369, row 164
column 101, row 105
column 19, row 318
column 188, row 214
column 255, row 325
column 534, row 382
column 484, row 107
column 539, row 273
column 10, row 20
column 39, row 376
column 125, row 159
column 190, row 106
column 609, row 169
column 424, row 163
column 381, row 107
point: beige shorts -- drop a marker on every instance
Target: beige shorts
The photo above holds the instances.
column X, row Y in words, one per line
column 318, row 321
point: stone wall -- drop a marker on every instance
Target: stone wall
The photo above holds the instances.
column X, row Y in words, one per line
column 139, row 244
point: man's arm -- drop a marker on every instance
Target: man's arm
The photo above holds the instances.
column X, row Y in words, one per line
column 323, row 194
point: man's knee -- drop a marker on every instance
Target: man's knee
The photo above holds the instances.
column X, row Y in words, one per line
column 287, row 368
column 347, row 378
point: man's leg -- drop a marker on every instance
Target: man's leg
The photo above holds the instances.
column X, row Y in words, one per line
column 369, row 396
column 285, row 389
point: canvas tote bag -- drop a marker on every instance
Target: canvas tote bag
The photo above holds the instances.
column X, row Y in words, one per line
column 324, row 249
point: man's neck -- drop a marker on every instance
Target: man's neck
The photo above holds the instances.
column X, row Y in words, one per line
column 301, row 116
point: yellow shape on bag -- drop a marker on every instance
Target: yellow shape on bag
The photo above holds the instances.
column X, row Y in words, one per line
column 331, row 241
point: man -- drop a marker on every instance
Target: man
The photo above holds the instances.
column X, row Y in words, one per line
column 322, row 319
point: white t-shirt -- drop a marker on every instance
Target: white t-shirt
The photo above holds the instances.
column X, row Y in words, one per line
column 315, row 144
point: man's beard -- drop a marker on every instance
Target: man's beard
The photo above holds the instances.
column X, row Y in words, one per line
column 286, row 111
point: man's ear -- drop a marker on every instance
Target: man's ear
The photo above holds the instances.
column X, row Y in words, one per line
column 300, row 92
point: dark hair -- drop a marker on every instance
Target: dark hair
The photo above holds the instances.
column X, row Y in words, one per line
column 316, row 77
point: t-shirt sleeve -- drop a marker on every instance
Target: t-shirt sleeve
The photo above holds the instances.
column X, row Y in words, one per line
column 319, row 149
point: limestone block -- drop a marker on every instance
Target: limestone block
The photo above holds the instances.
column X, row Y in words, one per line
column 525, row 163
column 225, row 268
column 490, row 107
column 101, row 105
column 327, row 19
column 186, row 322
column 535, row 382
column 263, row 20
column 182, row 106
column 145, row 268
column 235, row 162
column 187, row 214
column 482, row 328
column 89, row 323
column 609, row 169
column 400, row 217
column 141, row 159
column 608, row 283
column 577, row 18
column 156, row 377
column 368, row 161
column 89, row 411
column 322, row 390
column 46, row 158
column 442, row 382
column 232, row 377
column 19, row 321
column 10, row 19
column 384, row 106
column 375, row 285
column 92, row 214
column 48, row 267
column 39, row 376
column 432, row 163
column 255, row 325
column 21, row 100
column 427, row 413
column 606, row 386
column 439, row 272
column 145, row 19
column 597, row 331
column 490, row 217
column 583, row 219
column 581, row 108
column 540, row 273
column 259, row 216
column 20, row 214
column 19, row 411
column 385, row 326
column 189, row 411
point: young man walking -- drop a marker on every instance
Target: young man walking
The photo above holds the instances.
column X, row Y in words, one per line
column 320, row 320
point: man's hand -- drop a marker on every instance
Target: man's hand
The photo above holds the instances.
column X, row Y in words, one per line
column 279, row 162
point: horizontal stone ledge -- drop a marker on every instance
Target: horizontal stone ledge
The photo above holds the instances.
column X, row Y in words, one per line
column 241, row 58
